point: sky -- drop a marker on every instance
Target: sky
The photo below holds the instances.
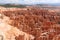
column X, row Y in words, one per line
column 29, row 1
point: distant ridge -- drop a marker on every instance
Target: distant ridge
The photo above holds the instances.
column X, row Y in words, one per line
column 51, row 4
column 13, row 5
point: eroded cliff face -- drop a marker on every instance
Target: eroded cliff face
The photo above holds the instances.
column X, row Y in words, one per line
column 8, row 32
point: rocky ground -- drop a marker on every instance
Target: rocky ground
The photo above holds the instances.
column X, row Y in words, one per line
column 35, row 23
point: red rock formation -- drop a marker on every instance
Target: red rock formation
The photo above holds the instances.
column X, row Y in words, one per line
column 42, row 24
